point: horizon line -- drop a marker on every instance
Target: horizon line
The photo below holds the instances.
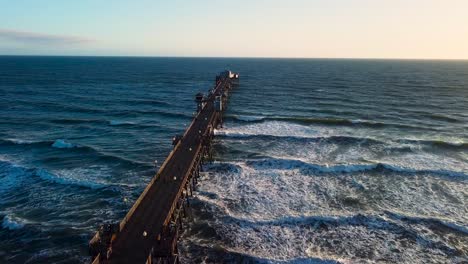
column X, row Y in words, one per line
column 234, row 57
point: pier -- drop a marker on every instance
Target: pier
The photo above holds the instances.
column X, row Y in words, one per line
column 150, row 230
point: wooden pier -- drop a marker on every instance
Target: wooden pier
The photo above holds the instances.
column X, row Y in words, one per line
column 149, row 231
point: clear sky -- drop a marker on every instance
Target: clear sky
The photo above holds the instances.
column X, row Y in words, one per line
column 237, row 28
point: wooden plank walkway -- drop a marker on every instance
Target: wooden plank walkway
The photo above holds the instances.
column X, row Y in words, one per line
column 146, row 224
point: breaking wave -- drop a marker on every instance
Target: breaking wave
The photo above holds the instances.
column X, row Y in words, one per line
column 61, row 143
column 391, row 220
column 245, row 118
column 10, row 175
column 113, row 122
column 120, row 123
column 457, row 145
column 308, row 168
column 67, row 146
column 261, row 238
column 12, row 222
column 16, row 141
column 330, row 139
column 318, row 121
column 284, row 131
column 47, row 176
column 13, row 174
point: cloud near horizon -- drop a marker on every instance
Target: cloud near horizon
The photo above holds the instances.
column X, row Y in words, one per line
column 41, row 38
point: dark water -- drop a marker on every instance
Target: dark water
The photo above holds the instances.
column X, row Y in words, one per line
column 319, row 160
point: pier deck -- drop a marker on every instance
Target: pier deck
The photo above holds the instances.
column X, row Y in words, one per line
column 149, row 231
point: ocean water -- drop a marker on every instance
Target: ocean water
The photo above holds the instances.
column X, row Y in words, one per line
column 319, row 161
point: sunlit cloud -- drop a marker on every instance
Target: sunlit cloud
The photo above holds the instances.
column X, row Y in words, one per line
column 41, row 38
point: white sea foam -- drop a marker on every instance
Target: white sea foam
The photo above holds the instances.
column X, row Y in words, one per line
column 12, row 222
column 286, row 129
column 283, row 129
column 61, row 143
column 270, row 209
column 350, row 241
column 19, row 141
column 12, row 174
column 273, row 128
column 78, row 177
column 307, row 167
column 333, row 157
column 249, row 118
column 335, row 146
column 280, row 178
column 424, row 161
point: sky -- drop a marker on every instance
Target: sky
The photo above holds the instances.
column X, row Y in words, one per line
column 406, row 29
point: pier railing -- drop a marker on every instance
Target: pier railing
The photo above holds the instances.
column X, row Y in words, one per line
column 148, row 233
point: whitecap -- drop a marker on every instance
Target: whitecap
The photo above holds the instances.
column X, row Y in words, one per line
column 11, row 174
column 68, row 179
column 61, row 143
column 19, row 141
column 291, row 164
column 420, row 162
column 273, row 128
column 12, row 222
column 249, row 118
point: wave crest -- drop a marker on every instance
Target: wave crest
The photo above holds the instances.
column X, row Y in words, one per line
column 10, row 175
column 61, row 143
column 284, row 131
column 67, row 146
column 318, row 121
column 120, row 123
column 12, row 222
column 47, row 176
column 308, row 168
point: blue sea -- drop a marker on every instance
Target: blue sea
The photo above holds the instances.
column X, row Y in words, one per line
column 318, row 161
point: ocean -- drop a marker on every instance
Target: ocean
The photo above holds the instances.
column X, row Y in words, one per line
column 318, row 161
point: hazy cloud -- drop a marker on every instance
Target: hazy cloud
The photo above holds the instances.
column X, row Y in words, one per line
column 40, row 38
